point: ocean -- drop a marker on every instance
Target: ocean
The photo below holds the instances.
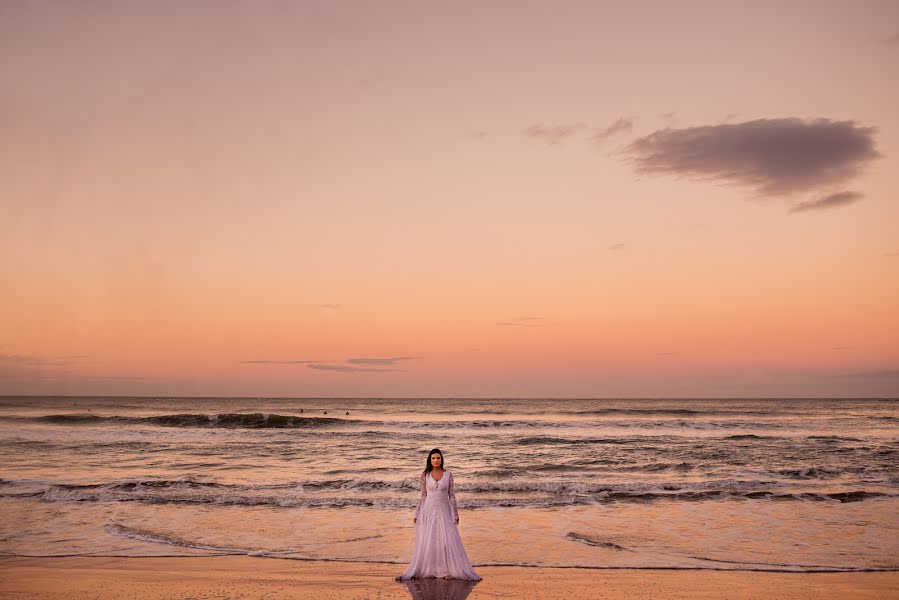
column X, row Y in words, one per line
column 766, row 484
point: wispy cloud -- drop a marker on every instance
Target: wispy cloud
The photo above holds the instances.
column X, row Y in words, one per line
column 380, row 361
column 280, row 362
column 374, row 81
column 621, row 125
column 829, row 201
column 772, row 156
column 328, row 365
column 65, row 376
column 346, row 369
column 330, row 306
column 25, row 368
column 618, row 246
column 873, row 374
column 34, row 361
column 524, row 322
column 94, row 378
column 669, row 118
column 553, row 134
column 30, row 368
column 892, row 40
column 475, row 136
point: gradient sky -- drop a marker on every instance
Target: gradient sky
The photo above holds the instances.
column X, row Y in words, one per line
column 468, row 198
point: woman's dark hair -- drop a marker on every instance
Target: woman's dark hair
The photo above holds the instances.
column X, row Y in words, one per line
column 428, row 466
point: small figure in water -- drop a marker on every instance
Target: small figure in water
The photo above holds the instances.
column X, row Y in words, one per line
column 347, row 412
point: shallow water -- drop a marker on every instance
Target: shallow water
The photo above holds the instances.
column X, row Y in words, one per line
column 726, row 484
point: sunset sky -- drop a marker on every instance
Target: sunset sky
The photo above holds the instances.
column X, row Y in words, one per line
column 444, row 199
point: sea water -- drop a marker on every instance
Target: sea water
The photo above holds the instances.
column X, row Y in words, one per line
column 767, row 484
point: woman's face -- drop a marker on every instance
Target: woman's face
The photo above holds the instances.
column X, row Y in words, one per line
column 436, row 461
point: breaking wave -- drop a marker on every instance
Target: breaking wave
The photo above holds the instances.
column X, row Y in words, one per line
column 402, row 493
column 225, row 420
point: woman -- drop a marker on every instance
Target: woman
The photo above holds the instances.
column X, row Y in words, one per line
column 438, row 548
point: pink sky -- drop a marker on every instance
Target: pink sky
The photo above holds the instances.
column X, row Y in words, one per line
column 557, row 199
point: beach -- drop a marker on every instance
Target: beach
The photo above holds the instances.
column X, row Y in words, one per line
column 248, row 577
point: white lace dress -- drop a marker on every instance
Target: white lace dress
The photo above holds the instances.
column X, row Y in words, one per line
column 438, row 547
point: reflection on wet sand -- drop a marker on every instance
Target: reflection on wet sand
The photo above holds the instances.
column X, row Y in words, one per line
column 439, row 589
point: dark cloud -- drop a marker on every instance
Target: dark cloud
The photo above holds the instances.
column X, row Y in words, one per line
column 554, row 134
column 380, row 361
column 772, row 156
column 621, row 125
column 346, row 369
column 830, row 201
column 280, row 362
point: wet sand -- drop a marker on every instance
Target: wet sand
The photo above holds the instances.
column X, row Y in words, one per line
column 265, row 578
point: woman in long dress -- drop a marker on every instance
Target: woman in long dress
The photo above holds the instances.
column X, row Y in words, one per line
column 438, row 547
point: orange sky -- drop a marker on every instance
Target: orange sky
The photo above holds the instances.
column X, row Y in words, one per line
column 476, row 199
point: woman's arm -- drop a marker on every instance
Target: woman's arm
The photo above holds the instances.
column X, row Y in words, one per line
column 451, row 492
column 421, row 500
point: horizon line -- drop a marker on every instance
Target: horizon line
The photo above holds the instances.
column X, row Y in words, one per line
column 163, row 397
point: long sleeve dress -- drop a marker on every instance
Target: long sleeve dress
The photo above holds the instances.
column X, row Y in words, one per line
column 438, row 547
